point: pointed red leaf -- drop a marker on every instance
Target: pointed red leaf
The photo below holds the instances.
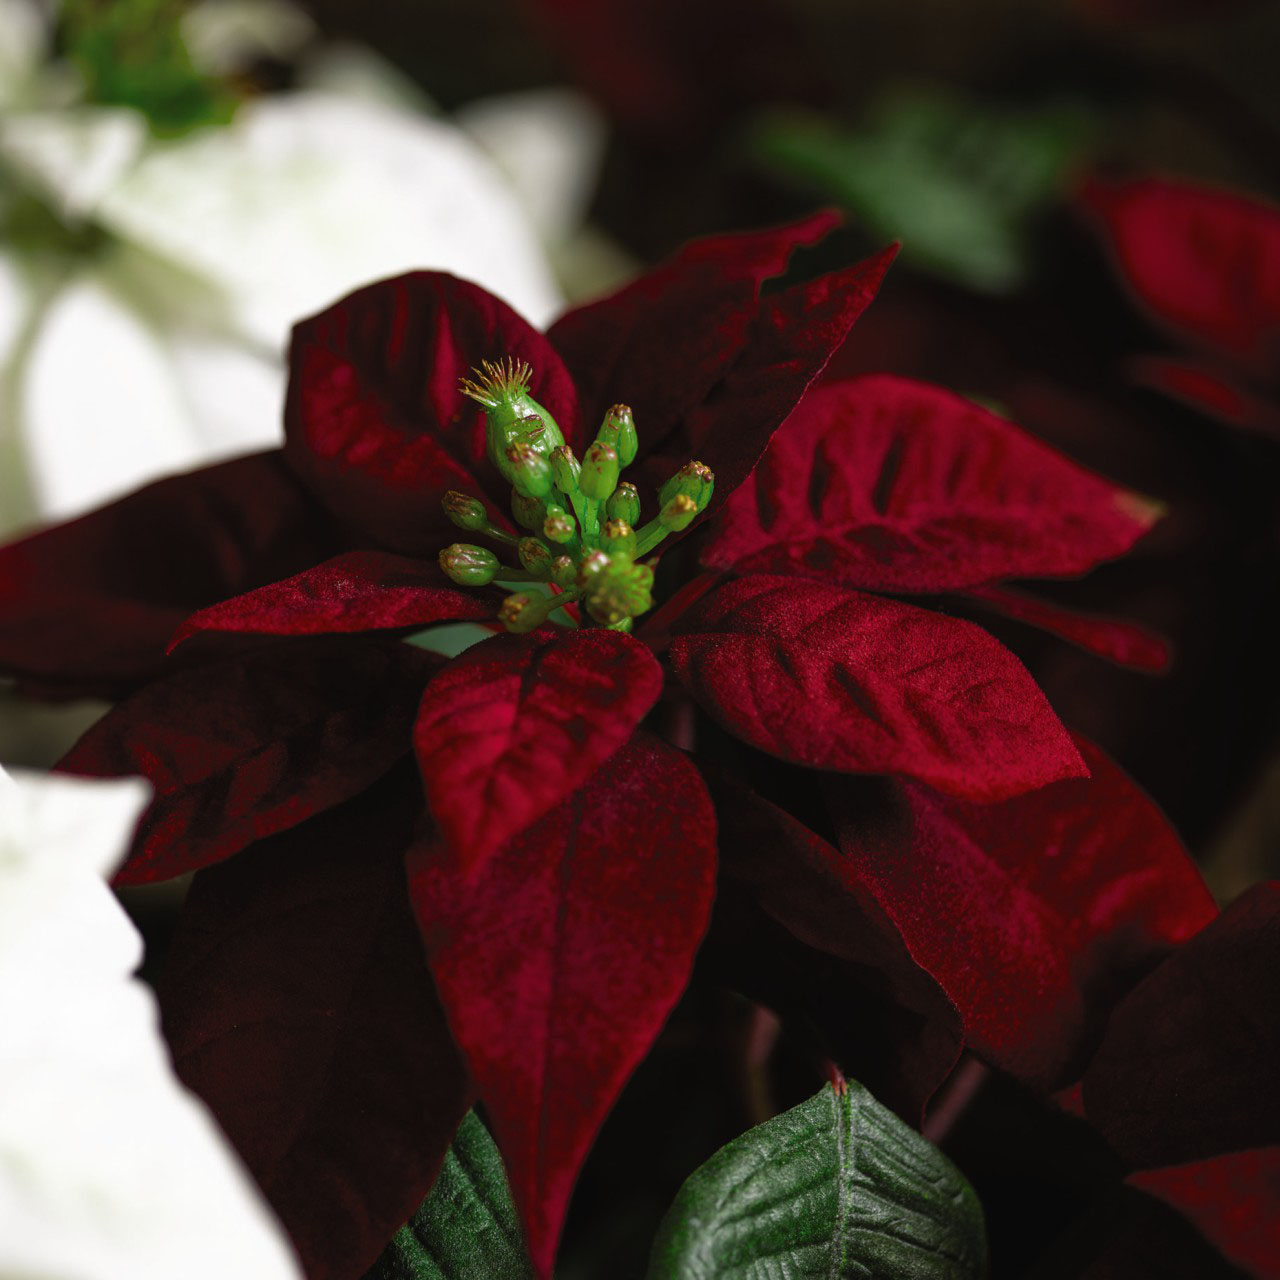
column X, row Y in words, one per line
column 515, row 724
column 1188, row 1064
column 1117, row 641
column 1233, row 1199
column 888, row 484
column 1210, row 390
column 374, row 420
column 560, row 960
column 299, row 1006
column 660, row 343
column 816, row 892
column 359, row 591
column 792, row 337
column 1205, row 262
column 245, row 747
column 835, row 679
column 1033, row 914
column 89, row 606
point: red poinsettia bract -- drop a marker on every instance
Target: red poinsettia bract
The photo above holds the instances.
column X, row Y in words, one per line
column 562, row 856
column 1205, row 265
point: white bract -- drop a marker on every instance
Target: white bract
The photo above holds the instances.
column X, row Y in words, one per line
column 159, row 345
column 109, row 1168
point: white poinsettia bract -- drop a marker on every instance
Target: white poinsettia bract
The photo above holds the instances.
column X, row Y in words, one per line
column 147, row 335
column 109, row 1168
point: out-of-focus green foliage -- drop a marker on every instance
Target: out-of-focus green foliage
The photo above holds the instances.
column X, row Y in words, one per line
column 131, row 53
column 956, row 182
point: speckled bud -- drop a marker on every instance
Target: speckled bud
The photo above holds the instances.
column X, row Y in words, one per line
column 469, row 566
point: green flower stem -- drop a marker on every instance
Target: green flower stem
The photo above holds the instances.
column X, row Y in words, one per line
column 588, row 513
column 498, row 535
column 523, row 611
column 648, row 537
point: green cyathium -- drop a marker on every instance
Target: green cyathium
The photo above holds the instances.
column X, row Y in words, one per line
column 584, row 541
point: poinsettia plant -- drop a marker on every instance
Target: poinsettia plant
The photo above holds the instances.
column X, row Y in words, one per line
column 722, row 694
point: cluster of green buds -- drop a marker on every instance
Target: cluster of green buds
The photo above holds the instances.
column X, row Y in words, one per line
column 585, row 541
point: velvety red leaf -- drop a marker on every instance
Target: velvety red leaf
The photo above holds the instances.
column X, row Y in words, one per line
column 660, row 343
column 1210, row 390
column 1187, row 1068
column 1204, row 262
column 1117, row 641
column 374, row 420
column 515, row 724
column 888, row 484
column 792, row 337
column 1032, row 915
column 835, row 679
column 89, row 606
column 559, row 961
column 244, row 747
column 1234, row 1200
column 359, row 591
column 299, row 1006
column 816, row 892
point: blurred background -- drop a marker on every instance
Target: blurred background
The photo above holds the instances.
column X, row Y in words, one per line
column 178, row 183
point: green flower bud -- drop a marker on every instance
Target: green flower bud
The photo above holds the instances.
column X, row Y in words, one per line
column 530, row 472
column 534, row 556
column 678, row 513
column 559, row 525
column 694, row 480
column 599, row 475
column 565, row 469
column 618, row 538
column 619, row 430
column 523, row 612
column 624, row 503
column 512, row 415
column 619, row 591
column 564, row 573
column 529, row 513
column 591, row 566
column 466, row 512
column 469, row 566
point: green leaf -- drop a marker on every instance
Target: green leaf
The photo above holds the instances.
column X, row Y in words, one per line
column 466, row 1228
column 836, row 1187
column 957, row 182
column 131, row 53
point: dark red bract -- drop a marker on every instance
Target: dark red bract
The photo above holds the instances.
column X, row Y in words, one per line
column 562, row 856
column 1204, row 264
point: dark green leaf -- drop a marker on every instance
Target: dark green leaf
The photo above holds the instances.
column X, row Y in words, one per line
column 836, row 1187
column 466, row 1228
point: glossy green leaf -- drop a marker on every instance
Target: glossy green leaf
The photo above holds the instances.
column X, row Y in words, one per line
column 466, row 1228
column 836, row 1187
column 955, row 181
